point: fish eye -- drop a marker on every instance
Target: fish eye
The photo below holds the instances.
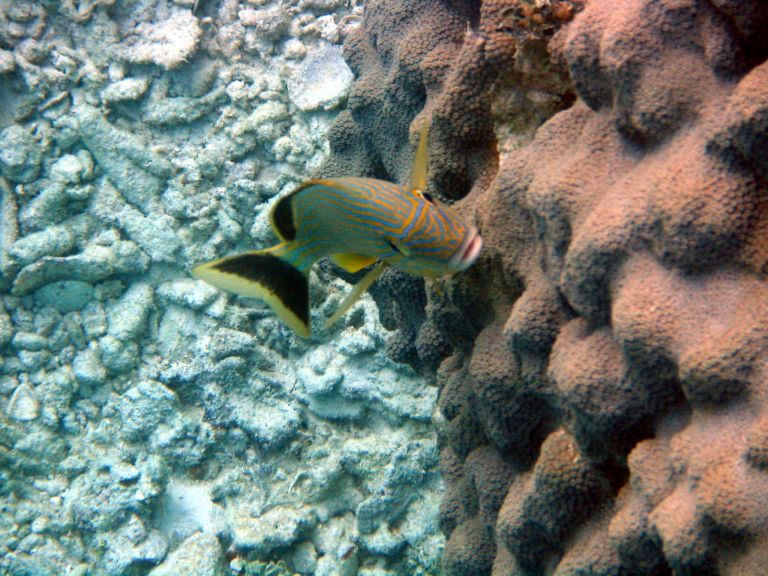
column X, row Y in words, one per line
column 428, row 197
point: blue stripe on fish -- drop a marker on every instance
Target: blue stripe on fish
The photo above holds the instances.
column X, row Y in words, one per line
column 357, row 221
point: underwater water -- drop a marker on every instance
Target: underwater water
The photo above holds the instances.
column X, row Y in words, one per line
column 149, row 423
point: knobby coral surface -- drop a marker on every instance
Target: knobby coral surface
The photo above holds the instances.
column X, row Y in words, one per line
column 603, row 389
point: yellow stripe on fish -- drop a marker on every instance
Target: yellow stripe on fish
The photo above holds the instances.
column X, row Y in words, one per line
column 357, row 222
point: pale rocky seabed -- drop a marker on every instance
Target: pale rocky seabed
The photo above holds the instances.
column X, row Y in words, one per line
column 151, row 424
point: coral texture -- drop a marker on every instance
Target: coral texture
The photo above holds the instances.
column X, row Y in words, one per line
column 637, row 330
column 603, row 407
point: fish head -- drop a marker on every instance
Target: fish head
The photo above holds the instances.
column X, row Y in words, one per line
column 438, row 242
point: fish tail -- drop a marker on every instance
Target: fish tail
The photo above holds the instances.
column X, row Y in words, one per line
column 267, row 275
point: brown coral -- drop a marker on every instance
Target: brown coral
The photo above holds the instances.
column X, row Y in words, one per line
column 648, row 204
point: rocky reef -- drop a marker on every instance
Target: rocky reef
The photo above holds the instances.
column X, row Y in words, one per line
column 150, row 424
column 603, row 400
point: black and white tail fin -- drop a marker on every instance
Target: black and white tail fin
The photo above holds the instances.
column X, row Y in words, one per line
column 267, row 277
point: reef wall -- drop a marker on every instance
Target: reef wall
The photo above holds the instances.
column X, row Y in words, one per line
column 602, row 368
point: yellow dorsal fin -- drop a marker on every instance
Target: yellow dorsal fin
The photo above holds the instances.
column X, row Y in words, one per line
column 356, row 292
column 419, row 169
column 352, row 262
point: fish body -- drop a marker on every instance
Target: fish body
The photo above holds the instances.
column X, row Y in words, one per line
column 357, row 222
column 372, row 219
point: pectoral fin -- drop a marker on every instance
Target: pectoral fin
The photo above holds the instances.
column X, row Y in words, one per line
column 356, row 292
column 352, row 262
column 400, row 247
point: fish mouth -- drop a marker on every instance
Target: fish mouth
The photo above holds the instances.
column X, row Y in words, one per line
column 467, row 252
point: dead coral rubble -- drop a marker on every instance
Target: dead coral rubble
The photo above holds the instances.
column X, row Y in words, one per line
column 604, row 407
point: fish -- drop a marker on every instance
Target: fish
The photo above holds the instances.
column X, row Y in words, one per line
column 357, row 222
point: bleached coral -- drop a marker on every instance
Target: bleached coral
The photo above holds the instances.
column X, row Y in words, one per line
column 168, row 43
column 138, row 146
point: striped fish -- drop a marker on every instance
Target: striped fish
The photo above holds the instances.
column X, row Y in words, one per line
column 357, row 222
